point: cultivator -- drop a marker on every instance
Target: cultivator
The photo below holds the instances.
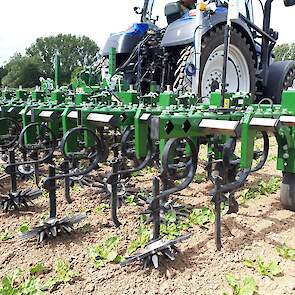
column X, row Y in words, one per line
column 163, row 130
column 103, row 120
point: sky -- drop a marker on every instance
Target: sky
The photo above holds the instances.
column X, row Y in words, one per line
column 22, row 21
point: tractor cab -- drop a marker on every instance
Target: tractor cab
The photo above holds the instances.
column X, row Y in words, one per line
column 173, row 10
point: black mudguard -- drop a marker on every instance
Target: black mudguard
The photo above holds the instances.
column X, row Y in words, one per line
column 277, row 74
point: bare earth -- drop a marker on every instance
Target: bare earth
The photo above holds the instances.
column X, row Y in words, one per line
column 257, row 229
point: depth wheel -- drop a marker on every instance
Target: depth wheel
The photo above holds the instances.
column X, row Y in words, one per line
column 287, row 195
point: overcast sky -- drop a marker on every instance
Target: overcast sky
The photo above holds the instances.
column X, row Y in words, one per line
column 22, row 21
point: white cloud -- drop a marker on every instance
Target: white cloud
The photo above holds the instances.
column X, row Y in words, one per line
column 22, row 21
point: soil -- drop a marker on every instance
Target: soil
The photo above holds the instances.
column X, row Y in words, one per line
column 260, row 225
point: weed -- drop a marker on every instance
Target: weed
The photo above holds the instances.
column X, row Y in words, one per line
column 200, row 178
column 63, row 274
column 263, row 188
column 102, row 254
column 38, row 268
column 86, row 228
column 286, row 252
column 5, row 237
column 131, row 200
column 246, row 286
column 2, row 168
column 45, row 194
column 102, row 207
column 44, row 216
column 146, row 170
column 24, row 227
column 272, row 158
column 269, row 187
column 76, row 188
column 270, row 269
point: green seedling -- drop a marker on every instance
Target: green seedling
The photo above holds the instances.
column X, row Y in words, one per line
column 2, row 168
column 86, row 228
column 269, row 187
column 246, row 286
column 149, row 170
column 100, row 255
column 6, row 236
column 30, row 182
column 200, row 178
column 143, row 237
column 102, row 207
column 131, row 200
column 76, row 188
column 31, row 286
column 146, row 170
column 269, row 269
column 38, row 268
column 45, row 194
column 286, row 252
column 63, row 274
column 263, row 188
column 170, row 216
column 170, row 231
column 44, row 216
column 271, row 158
column 10, row 286
column 24, row 227
column 202, row 216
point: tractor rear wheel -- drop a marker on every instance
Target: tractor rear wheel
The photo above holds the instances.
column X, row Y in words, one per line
column 241, row 74
column 287, row 195
column 281, row 77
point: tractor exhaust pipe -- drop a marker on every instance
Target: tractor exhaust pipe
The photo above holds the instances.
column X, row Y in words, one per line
column 198, row 46
column 233, row 13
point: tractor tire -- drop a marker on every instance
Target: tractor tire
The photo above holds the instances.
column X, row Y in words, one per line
column 287, row 194
column 241, row 66
column 281, row 76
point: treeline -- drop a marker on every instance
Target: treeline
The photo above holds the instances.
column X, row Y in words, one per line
column 285, row 52
column 38, row 60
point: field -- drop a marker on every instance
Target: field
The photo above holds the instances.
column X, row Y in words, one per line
column 258, row 244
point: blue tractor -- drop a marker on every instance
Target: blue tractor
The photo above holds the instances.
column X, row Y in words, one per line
column 164, row 56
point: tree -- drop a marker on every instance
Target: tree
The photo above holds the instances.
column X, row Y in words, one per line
column 74, row 52
column 284, row 52
column 3, row 72
column 22, row 70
